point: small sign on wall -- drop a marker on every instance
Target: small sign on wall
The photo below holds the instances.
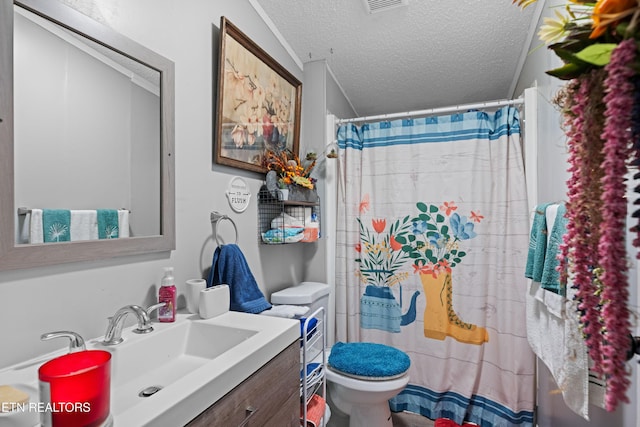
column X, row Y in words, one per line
column 238, row 194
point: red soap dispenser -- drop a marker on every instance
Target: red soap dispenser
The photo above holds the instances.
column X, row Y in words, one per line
column 167, row 295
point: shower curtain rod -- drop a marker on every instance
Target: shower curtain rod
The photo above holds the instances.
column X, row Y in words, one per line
column 432, row 111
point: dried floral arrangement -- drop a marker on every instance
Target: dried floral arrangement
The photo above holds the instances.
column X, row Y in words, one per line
column 290, row 170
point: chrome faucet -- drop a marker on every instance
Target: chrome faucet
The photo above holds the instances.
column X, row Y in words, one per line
column 113, row 335
column 155, row 307
column 76, row 343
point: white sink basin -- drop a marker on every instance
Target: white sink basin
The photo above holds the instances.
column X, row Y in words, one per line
column 162, row 357
column 183, row 367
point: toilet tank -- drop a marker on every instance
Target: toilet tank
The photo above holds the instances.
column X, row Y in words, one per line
column 311, row 294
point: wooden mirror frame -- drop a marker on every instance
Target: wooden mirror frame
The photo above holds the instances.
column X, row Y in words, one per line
column 16, row 256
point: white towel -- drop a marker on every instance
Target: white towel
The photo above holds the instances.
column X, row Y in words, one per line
column 83, row 225
column 288, row 311
column 284, row 220
column 576, row 354
column 575, row 369
column 555, row 303
column 123, row 223
column 25, row 229
column 36, row 233
column 597, row 391
column 554, row 336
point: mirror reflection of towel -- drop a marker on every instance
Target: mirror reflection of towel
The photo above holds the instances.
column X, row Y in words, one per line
column 64, row 225
column 56, row 224
column 107, row 223
column 83, row 225
column 230, row 267
column 36, row 233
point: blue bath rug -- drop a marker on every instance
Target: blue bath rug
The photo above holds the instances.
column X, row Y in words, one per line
column 368, row 359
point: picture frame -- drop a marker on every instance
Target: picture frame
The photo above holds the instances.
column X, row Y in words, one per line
column 258, row 106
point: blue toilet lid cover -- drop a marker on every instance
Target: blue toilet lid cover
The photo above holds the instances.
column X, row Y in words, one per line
column 368, row 359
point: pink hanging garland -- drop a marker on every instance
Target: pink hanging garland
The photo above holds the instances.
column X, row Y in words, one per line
column 579, row 249
column 611, row 249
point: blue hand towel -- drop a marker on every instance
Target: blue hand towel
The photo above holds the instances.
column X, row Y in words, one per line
column 107, row 223
column 368, row 359
column 550, row 276
column 310, row 368
column 311, row 327
column 230, row 267
column 537, row 244
column 56, row 224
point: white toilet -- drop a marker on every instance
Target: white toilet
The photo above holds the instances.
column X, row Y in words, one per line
column 363, row 400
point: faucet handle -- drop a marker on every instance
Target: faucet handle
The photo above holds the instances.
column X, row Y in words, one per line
column 155, row 307
column 76, row 343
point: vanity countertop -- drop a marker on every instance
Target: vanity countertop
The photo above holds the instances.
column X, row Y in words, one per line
column 194, row 361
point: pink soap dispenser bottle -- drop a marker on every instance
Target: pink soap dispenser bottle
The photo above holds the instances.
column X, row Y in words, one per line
column 167, row 295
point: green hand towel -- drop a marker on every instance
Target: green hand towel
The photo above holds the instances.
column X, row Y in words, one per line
column 56, row 224
column 537, row 244
column 550, row 276
column 107, row 224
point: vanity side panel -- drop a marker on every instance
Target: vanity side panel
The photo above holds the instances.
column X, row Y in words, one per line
column 272, row 391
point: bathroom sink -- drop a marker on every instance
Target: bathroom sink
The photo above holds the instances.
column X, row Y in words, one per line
column 169, row 376
column 145, row 364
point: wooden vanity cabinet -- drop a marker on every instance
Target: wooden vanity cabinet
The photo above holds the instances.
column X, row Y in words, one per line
column 268, row 398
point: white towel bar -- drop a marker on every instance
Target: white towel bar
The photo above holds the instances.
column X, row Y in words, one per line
column 24, row 211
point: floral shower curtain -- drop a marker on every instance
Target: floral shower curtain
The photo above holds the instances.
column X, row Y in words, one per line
column 431, row 251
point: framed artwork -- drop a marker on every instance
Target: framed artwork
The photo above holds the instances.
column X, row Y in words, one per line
column 258, row 103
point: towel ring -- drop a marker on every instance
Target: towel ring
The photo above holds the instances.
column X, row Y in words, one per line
column 216, row 217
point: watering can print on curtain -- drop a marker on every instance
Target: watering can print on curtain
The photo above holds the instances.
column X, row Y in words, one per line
column 379, row 309
column 380, row 259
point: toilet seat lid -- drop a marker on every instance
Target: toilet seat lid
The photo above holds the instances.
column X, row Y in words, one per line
column 366, row 378
column 364, row 360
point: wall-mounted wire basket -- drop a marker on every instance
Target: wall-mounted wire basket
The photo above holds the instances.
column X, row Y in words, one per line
column 287, row 221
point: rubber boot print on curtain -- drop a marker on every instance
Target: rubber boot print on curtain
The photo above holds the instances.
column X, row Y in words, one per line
column 430, row 242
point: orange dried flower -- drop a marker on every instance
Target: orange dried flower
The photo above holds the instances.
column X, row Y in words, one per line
column 289, row 168
column 608, row 12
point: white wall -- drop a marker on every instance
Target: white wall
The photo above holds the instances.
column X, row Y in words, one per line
column 81, row 296
column 323, row 95
column 552, row 154
column 552, row 176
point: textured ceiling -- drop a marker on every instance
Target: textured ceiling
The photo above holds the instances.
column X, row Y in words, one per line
column 430, row 53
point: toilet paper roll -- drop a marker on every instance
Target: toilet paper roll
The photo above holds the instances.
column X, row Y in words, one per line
column 192, row 293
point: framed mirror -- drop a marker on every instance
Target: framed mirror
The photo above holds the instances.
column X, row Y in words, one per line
column 86, row 125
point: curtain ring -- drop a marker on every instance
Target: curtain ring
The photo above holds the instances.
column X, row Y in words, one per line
column 216, row 217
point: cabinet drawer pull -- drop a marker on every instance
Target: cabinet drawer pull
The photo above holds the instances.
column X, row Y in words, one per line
column 249, row 413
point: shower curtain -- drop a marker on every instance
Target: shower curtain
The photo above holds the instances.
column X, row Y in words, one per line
column 432, row 235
